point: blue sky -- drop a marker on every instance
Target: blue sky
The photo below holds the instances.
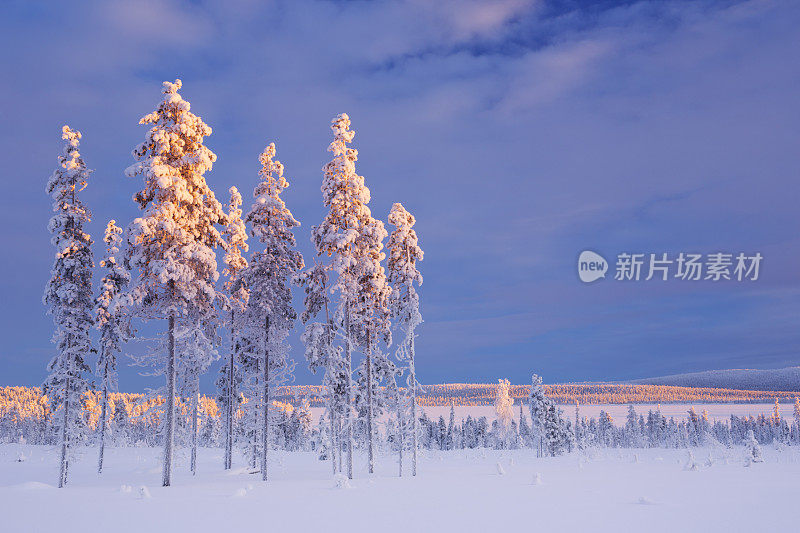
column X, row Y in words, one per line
column 519, row 133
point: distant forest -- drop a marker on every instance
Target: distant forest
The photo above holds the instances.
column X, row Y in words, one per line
column 28, row 402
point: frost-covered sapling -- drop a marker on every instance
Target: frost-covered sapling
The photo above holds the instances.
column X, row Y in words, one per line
column 752, row 449
column 113, row 323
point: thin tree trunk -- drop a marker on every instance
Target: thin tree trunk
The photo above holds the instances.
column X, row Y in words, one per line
column 400, row 429
column 103, row 408
column 169, row 438
column 333, row 437
column 265, row 436
column 332, row 400
column 62, row 476
column 226, row 426
column 256, row 392
column 339, row 441
column 370, row 451
column 195, row 402
column 413, row 410
column 348, row 392
column 230, row 410
column 339, row 445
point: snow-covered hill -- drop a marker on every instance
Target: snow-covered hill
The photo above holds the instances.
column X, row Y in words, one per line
column 779, row 379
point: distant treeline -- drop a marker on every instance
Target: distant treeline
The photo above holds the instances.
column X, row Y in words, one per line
column 471, row 394
column 28, row 402
column 135, row 418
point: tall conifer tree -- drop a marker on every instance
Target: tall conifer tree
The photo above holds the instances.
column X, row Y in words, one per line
column 237, row 296
column 68, row 296
column 112, row 322
column 404, row 252
column 173, row 242
column 269, row 311
column 353, row 239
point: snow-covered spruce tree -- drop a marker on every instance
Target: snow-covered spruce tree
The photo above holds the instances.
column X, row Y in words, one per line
column 404, row 252
column 524, row 428
column 552, row 433
column 579, row 435
column 346, row 197
column 371, row 325
column 68, row 296
column 173, row 243
column 322, row 353
column 451, row 428
column 504, row 408
column 605, row 429
column 269, row 313
column 558, row 435
column 538, row 403
column 634, row 439
column 776, row 412
column 236, row 297
column 113, row 323
column 752, row 449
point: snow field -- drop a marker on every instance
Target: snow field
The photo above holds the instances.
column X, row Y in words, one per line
column 470, row 490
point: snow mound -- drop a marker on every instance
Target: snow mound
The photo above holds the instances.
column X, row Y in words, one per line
column 144, row 493
column 240, row 493
column 126, row 489
column 341, row 482
column 537, row 479
column 33, row 485
column 645, row 501
column 691, row 464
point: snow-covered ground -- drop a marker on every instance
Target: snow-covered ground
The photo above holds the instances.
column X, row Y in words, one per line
column 611, row 490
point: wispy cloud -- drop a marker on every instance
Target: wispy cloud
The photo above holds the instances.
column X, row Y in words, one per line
column 517, row 132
